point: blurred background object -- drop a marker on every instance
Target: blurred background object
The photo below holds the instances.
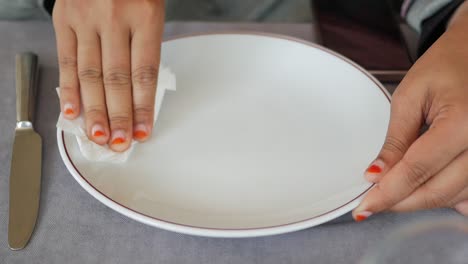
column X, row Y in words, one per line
column 413, row 242
column 285, row 11
column 182, row 10
column 368, row 32
column 23, row 9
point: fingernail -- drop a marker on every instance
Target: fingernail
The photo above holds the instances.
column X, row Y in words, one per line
column 361, row 216
column 97, row 130
column 68, row 109
column 374, row 170
column 118, row 137
column 140, row 131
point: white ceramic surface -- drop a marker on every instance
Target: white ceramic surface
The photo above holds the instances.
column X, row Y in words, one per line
column 264, row 135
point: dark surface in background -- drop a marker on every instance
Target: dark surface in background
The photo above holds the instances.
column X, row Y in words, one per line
column 49, row 5
column 433, row 27
column 365, row 31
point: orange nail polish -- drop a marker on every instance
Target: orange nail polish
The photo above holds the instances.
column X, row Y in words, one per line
column 362, row 216
column 374, row 169
column 118, row 140
column 98, row 133
column 140, row 134
column 68, row 109
column 98, row 130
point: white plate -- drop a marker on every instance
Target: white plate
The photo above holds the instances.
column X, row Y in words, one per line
column 264, row 135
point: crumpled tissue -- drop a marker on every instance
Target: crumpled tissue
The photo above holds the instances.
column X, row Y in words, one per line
column 98, row 153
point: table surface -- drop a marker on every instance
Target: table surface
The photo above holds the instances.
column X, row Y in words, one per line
column 73, row 227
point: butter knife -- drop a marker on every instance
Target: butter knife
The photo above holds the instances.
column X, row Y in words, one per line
column 25, row 172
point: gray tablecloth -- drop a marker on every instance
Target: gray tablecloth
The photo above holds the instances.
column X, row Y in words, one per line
column 73, row 227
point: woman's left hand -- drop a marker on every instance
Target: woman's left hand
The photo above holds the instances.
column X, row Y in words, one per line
column 415, row 172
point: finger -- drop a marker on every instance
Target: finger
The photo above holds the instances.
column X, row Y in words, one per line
column 69, row 87
column 145, row 64
column 403, row 130
column 440, row 190
column 461, row 202
column 91, row 86
column 425, row 158
column 115, row 42
column 462, row 207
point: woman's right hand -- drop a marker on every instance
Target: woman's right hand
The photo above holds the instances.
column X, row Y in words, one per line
column 108, row 53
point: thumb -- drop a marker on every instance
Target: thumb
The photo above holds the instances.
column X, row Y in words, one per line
column 406, row 120
column 461, row 204
column 462, row 207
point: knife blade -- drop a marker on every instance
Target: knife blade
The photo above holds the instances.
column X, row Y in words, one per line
column 26, row 161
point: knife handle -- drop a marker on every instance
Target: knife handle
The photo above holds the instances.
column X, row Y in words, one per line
column 26, row 72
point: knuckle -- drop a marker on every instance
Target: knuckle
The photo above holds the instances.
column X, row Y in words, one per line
column 120, row 120
column 95, row 111
column 395, row 145
column 114, row 11
column 90, row 75
column 447, row 112
column 66, row 88
column 57, row 20
column 415, row 174
column 145, row 76
column 154, row 4
column 116, row 78
column 143, row 109
column 68, row 63
column 152, row 8
column 435, row 199
column 57, row 11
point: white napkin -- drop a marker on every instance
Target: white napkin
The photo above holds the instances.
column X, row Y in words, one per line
column 95, row 152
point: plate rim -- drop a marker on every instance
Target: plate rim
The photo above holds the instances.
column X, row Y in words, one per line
column 222, row 232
